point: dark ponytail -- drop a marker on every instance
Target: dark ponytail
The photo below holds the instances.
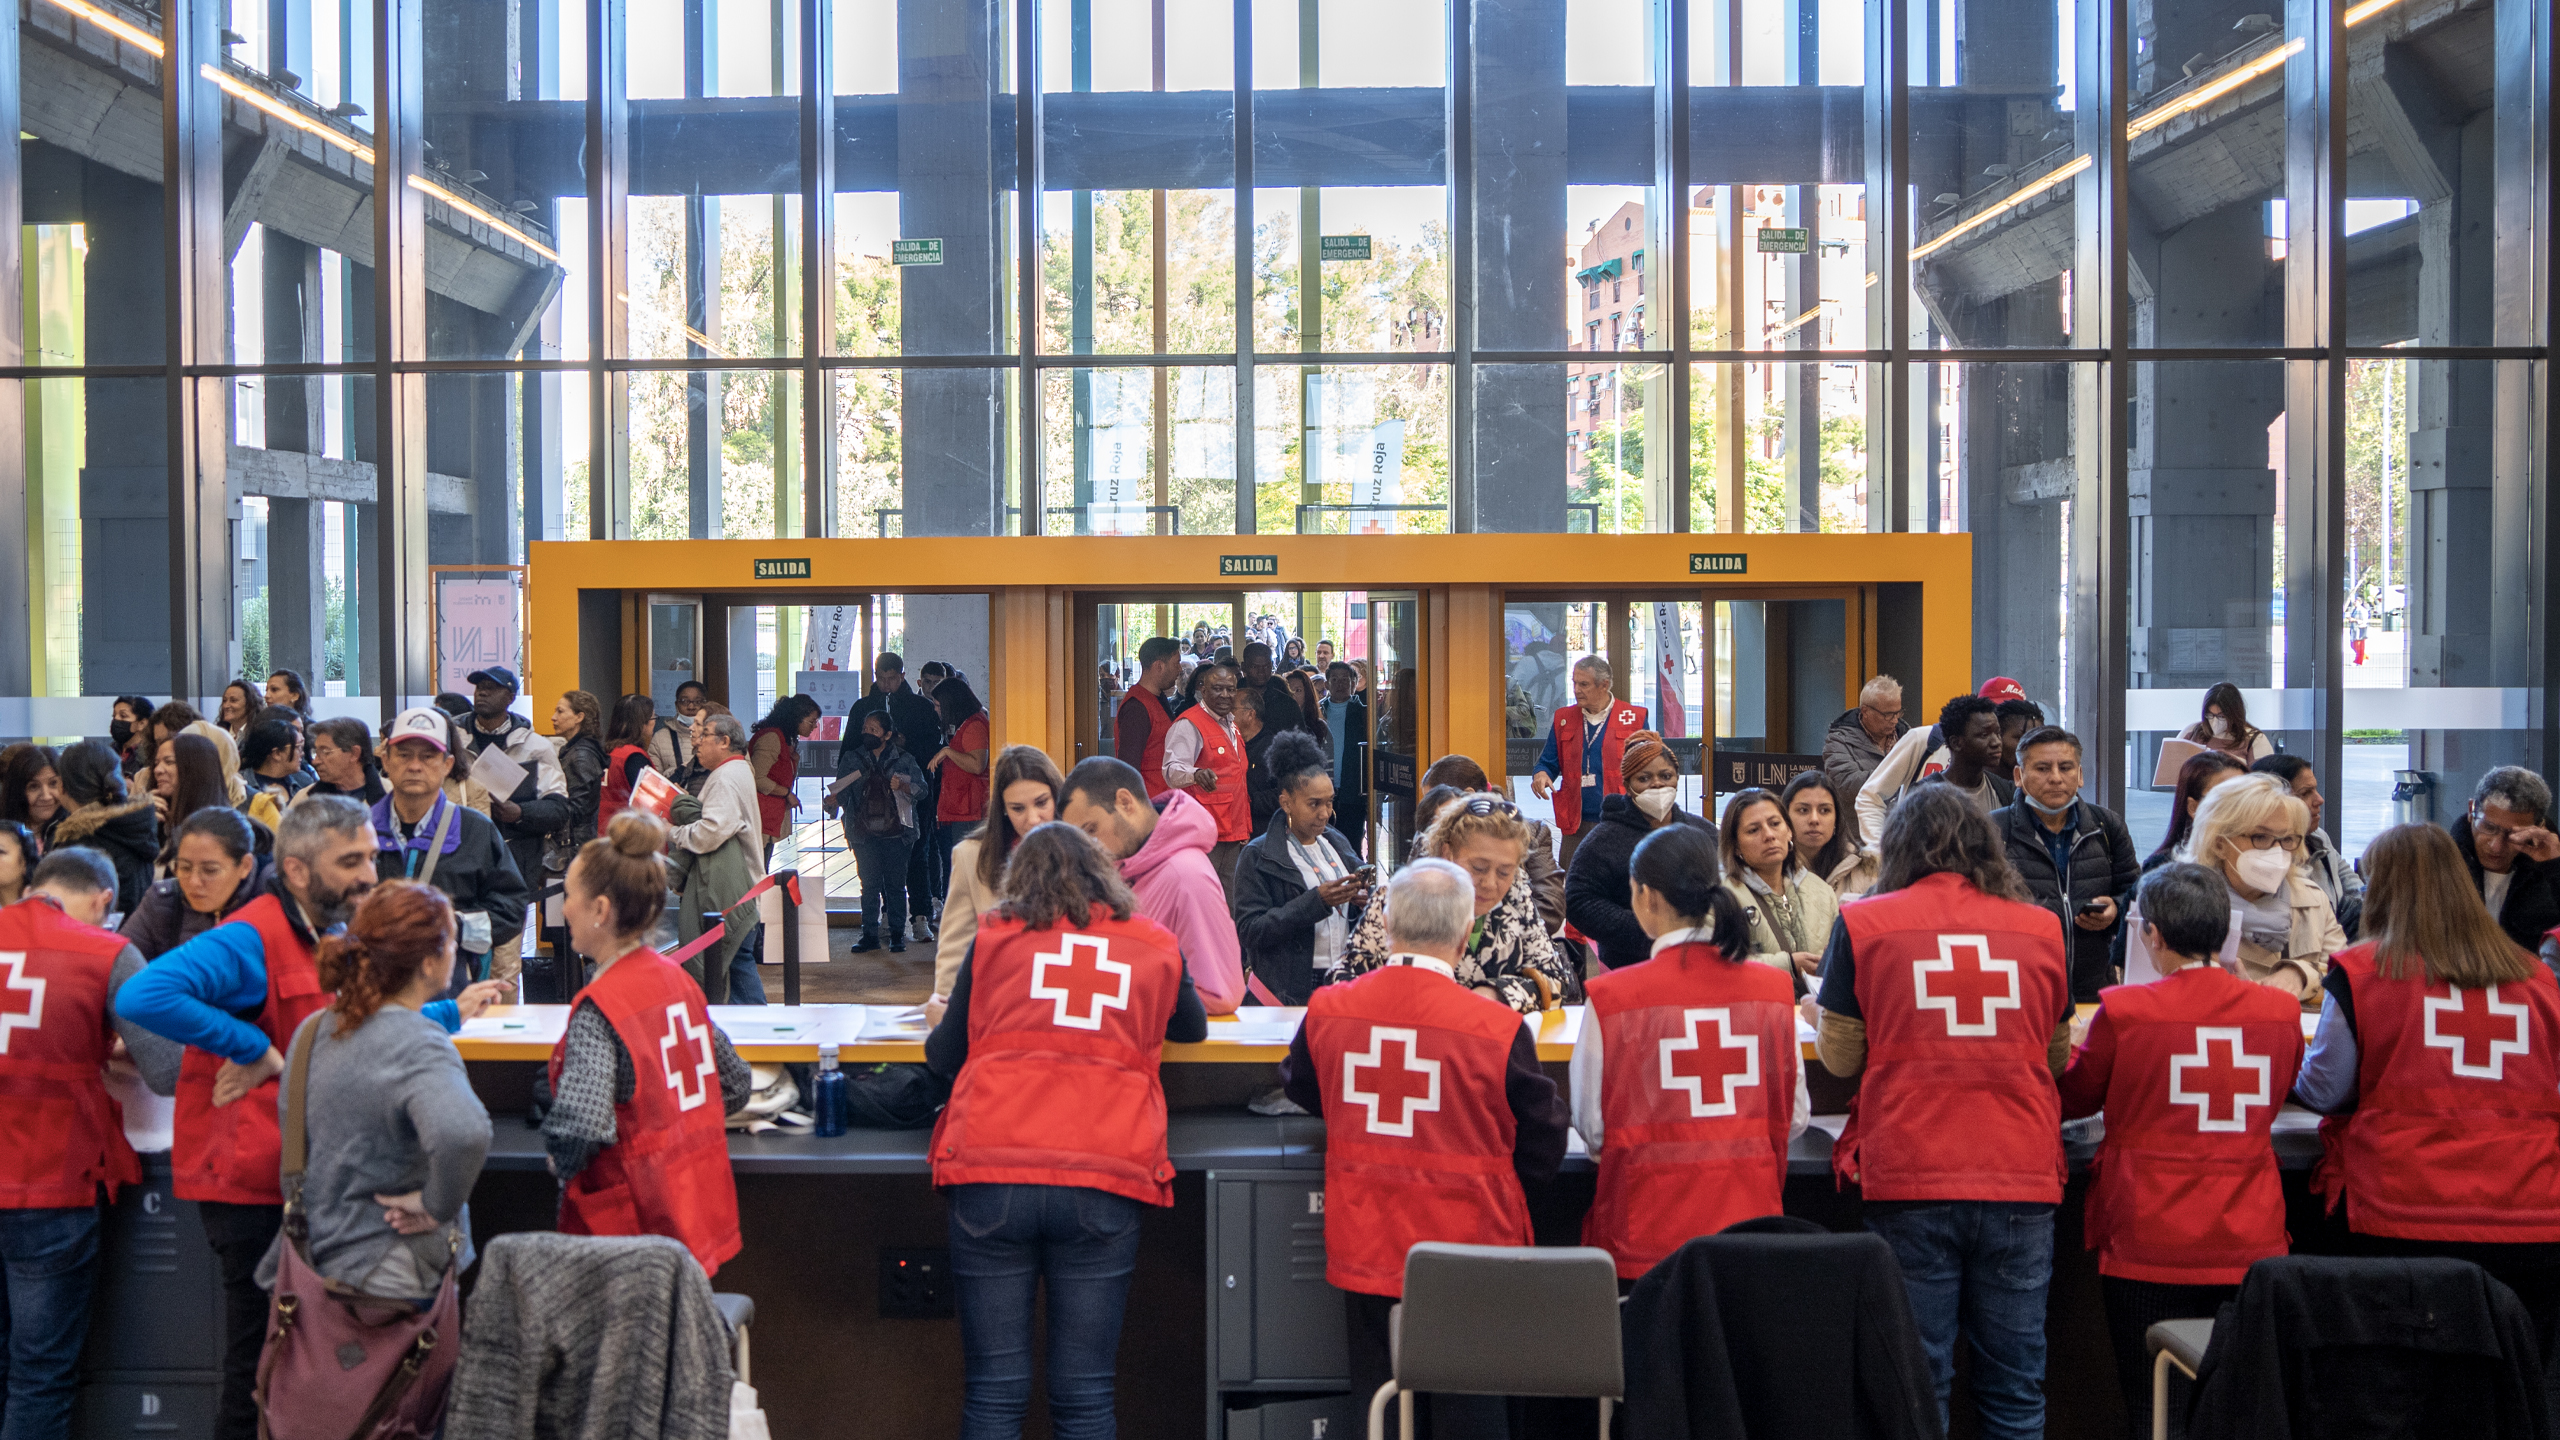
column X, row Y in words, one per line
column 1679, row 863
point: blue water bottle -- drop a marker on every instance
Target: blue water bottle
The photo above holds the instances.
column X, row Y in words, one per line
column 829, row 1103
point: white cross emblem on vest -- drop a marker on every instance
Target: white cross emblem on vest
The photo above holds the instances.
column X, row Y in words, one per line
column 1991, row 985
column 1710, row 1064
column 2467, row 1026
column 705, row 1071
column 20, row 983
column 1086, row 981
column 1407, row 1083
column 2221, row 1079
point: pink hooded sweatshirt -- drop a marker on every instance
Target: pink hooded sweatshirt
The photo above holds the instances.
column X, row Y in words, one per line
column 1178, row 888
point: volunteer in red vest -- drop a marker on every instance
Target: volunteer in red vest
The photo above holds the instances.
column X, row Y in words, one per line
column 642, row 1082
column 1436, row 1113
column 1585, row 743
column 1053, row 1143
column 2190, row 1070
column 1145, row 721
column 626, row 742
column 2442, row 1036
column 1951, row 989
column 1688, row 1081
column 233, row 996
column 61, row 1133
column 1204, row 757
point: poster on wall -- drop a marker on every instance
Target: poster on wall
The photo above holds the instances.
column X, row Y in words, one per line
column 479, row 622
column 836, row 691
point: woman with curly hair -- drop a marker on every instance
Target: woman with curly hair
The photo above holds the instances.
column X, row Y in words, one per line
column 1509, row 956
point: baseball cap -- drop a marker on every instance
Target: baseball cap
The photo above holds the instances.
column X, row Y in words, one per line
column 422, row 722
column 1998, row 687
column 498, row 675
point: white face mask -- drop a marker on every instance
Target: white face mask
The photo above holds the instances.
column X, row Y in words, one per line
column 1657, row 803
column 2263, row 870
column 2221, row 728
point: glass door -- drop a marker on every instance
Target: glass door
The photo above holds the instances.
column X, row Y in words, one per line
column 1109, row 631
column 675, row 646
column 1395, row 722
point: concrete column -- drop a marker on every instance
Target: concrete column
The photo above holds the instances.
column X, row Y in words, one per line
column 2014, row 469
column 951, row 441
column 1521, row 468
column 297, row 554
column 124, row 488
column 952, row 628
column 368, row 598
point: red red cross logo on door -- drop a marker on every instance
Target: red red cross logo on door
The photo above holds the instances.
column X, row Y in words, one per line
column 1081, row 980
column 2491, row 1030
column 15, row 983
column 684, row 1052
column 2221, row 1075
column 1690, row 1063
column 1406, row 1084
column 1965, row 982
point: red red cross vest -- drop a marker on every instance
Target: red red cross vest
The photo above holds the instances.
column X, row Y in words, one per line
column 61, row 1133
column 667, row 1173
column 1697, row 1093
column 235, row 1153
column 1066, row 1033
column 617, row 795
column 1223, row 757
column 2456, row 1130
column 1150, row 756
column 1418, row 1131
column 1960, row 992
column 1623, row 720
column 774, row 811
column 2185, row 1190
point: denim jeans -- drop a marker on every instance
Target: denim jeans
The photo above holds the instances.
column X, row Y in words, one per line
column 1005, row 1239
column 52, row 1260
column 1982, row 1267
column 746, row 984
column 881, row 861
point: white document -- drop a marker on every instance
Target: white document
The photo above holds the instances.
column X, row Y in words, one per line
column 497, row 772
column 2174, row 754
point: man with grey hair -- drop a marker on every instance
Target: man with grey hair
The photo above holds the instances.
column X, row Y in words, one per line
column 718, row 850
column 261, row 963
column 2505, row 836
column 1586, row 742
column 1857, row 741
column 1436, row 1113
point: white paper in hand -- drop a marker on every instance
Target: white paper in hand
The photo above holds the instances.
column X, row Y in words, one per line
column 497, row 772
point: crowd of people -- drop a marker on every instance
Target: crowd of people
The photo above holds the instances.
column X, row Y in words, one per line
column 291, row 903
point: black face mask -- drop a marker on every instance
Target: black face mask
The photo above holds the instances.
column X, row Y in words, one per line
column 119, row 732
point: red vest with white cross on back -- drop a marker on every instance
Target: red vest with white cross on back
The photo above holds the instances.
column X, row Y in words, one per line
column 2456, row 1130
column 1418, row 1129
column 667, row 1171
column 1961, row 992
column 1697, row 1093
column 61, row 1133
column 2185, row 1189
column 1066, row 1036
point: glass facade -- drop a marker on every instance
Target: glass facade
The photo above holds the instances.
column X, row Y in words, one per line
column 2225, row 333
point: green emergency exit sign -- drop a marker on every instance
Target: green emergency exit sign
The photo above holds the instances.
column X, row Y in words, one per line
column 1719, row 563
column 915, row 252
column 1776, row 240
column 782, row 569
column 1248, row 565
column 1342, row 247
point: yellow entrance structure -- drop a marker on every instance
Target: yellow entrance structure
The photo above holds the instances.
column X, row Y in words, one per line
column 1907, row 592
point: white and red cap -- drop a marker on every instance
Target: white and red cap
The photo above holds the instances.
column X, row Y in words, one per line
column 423, row 723
column 2001, row 687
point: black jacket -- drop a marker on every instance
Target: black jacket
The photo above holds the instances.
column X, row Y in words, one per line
column 1776, row 1328
column 582, row 770
column 1279, row 707
column 480, row 874
column 2102, row 863
column 1597, row 890
column 912, row 718
column 2533, row 891
column 164, row 920
column 1277, row 915
column 128, row 834
column 2317, row 1346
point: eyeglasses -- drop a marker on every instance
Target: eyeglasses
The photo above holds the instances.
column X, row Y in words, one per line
column 2261, row 840
column 1882, row 713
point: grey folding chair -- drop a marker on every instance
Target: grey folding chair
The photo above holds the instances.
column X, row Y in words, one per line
column 1503, row 1320
column 2173, row 1342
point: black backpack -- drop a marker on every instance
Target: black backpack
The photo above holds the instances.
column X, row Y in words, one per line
column 877, row 812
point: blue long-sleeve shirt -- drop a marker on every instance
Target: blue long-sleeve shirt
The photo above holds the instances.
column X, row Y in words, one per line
column 197, row 993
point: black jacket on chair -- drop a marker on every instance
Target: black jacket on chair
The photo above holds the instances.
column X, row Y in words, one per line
column 2321, row 1347
column 1776, row 1328
column 1276, row 914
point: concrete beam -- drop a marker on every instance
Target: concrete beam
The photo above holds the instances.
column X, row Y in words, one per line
column 291, row 475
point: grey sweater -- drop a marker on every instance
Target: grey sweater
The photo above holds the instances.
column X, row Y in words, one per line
column 390, row 1111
